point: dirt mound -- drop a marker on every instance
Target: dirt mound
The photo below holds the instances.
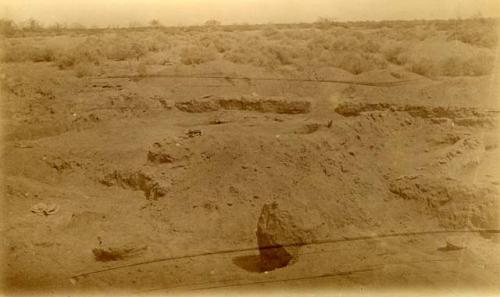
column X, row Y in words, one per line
column 199, row 105
column 459, row 115
column 259, row 104
column 140, row 181
column 456, row 205
column 167, row 151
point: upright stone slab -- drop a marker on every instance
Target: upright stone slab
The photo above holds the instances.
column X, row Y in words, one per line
column 283, row 229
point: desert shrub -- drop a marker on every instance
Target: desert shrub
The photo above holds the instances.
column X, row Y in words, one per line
column 212, row 23
column 346, row 43
column 478, row 36
column 8, row 28
column 395, row 53
column 90, row 54
column 27, row 53
column 305, row 34
column 256, row 55
column 338, row 41
column 237, row 56
column 423, row 66
column 480, row 64
column 319, row 43
column 356, row 34
column 370, row 46
column 65, row 61
column 272, row 33
column 198, row 55
column 142, row 68
column 353, row 62
column 85, row 53
column 84, row 69
column 358, row 63
column 222, row 43
column 123, row 49
column 325, row 57
column 452, row 66
column 283, row 55
column 156, row 42
column 443, row 25
column 43, row 54
column 152, row 46
column 324, row 23
column 425, row 32
column 269, row 55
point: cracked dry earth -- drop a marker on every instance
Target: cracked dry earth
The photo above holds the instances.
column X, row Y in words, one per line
column 185, row 179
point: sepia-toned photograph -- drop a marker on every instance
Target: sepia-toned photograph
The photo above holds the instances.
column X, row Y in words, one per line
column 280, row 147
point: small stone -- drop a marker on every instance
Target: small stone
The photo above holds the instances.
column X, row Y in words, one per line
column 450, row 247
column 45, row 209
column 193, row 132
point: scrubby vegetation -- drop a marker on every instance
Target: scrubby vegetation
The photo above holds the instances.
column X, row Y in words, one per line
column 430, row 48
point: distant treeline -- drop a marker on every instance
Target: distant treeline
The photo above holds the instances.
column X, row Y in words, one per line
column 9, row 28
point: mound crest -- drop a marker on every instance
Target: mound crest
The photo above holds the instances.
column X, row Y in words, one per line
column 259, row 104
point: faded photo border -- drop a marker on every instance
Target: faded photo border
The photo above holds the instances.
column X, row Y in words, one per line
column 318, row 287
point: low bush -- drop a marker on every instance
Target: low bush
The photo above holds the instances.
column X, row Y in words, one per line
column 84, row 69
column 481, row 64
column 27, row 53
column 84, row 53
column 476, row 64
column 358, row 63
column 198, row 55
column 121, row 49
column 395, row 53
column 481, row 36
column 423, row 66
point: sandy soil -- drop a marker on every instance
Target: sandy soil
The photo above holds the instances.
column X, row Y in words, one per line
column 157, row 183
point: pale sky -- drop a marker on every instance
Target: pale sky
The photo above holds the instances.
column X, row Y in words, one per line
column 188, row 12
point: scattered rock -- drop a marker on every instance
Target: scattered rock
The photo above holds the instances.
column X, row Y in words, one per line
column 450, row 247
column 165, row 103
column 193, row 132
column 217, row 121
column 170, row 151
column 58, row 164
column 137, row 181
column 308, row 129
column 115, row 254
column 45, row 209
column 23, row 145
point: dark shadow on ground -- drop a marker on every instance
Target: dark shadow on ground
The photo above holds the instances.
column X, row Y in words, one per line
column 250, row 263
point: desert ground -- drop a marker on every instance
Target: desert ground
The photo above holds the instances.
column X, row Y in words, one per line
column 140, row 159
